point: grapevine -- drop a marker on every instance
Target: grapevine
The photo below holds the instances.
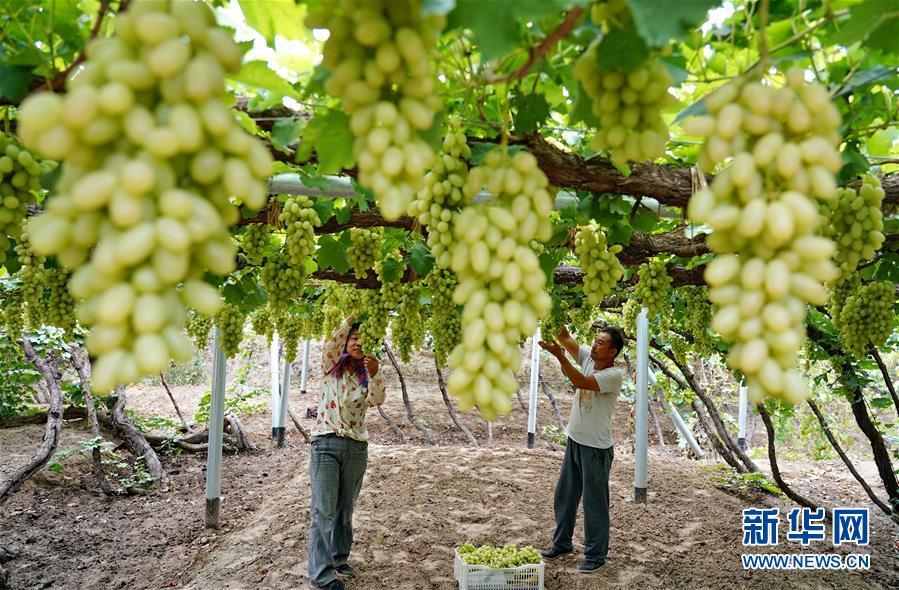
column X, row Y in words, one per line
column 254, row 240
column 13, row 318
column 197, row 328
column 374, row 316
column 445, row 321
column 501, row 283
column 152, row 159
column 698, row 317
column 855, row 223
column 770, row 262
column 598, row 262
column 300, row 221
column 867, row 318
column 378, row 56
column 230, row 321
column 407, row 326
column 20, row 173
column 282, row 280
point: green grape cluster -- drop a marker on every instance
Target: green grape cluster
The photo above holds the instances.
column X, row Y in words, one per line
column 197, row 327
column 282, row 280
column 300, row 221
column 629, row 312
column 653, row 284
column 598, row 262
column 378, row 54
column 314, row 321
column 583, row 321
column 840, row 290
column 698, row 317
column 854, row 222
column 782, row 144
column 509, row 555
column 262, row 322
column 554, row 320
column 254, row 240
column 407, row 327
column 230, row 321
column 334, row 309
column 20, row 173
column 13, row 317
column 391, row 290
column 59, row 306
column 445, row 322
column 31, row 276
column 438, row 203
column 152, row 160
column 290, row 330
column 867, row 318
column 501, row 284
column 375, row 317
column 628, row 102
column 364, row 249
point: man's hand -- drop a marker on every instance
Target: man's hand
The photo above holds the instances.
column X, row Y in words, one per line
column 371, row 365
column 552, row 347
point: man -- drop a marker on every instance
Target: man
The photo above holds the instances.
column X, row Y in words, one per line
column 588, row 456
column 351, row 384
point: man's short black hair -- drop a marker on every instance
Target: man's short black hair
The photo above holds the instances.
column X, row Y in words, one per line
column 617, row 339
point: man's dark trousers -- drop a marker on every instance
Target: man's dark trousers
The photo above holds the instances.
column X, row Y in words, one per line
column 585, row 472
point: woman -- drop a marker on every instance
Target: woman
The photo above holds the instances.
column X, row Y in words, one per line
column 351, row 384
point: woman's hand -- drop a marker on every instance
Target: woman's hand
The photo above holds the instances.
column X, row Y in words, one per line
column 371, row 365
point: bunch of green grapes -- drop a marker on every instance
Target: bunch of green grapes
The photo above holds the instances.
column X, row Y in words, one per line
column 254, row 240
column 855, row 222
column 13, row 320
column 437, row 204
column 867, row 318
column 31, row 276
column 230, row 321
column 152, row 161
column 197, row 327
column 771, row 263
column 391, row 287
column 841, row 290
column 501, row 284
column 628, row 102
column 333, row 308
column 263, row 322
column 629, row 312
column 678, row 347
column 598, row 262
column 378, row 56
column 698, row 317
column 300, row 221
column 445, row 322
column 20, row 173
column 653, row 284
column 364, row 250
column 59, row 305
column 374, row 316
column 407, row 326
column 583, row 321
column 282, row 280
column 552, row 324
column 509, row 555
column 290, row 330
column 314, row 321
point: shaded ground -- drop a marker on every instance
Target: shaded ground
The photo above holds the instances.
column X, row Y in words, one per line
column 418, row 501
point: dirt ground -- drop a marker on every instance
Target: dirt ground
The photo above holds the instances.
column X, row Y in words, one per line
column 418, row 501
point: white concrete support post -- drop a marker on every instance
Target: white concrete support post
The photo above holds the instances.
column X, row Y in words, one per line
column 641, row 436
column 216, row 426
column 274, row 364
column 305, row 372
column 282, row 402
column 744, row 400
column 532, row 398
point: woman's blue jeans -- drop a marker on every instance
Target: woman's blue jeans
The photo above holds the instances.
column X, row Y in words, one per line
column 336, row 467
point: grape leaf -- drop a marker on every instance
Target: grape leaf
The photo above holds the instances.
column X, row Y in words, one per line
column 323, row 208
column 392, row 269
column 659, row 21
column 531, row 110
column 621, row 48
column 275, row 17
column 332, row 252
column 582, row 109
column 329, row 133
column 422, row 259
column 285, row 133
column 257, row 74
column 14, row 82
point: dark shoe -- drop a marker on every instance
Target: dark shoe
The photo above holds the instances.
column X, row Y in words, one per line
column 345, row 570
column 589, row 566
column 552, row 552
column 332, row 585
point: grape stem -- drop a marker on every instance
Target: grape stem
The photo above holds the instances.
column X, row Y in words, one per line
column 537, row 53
